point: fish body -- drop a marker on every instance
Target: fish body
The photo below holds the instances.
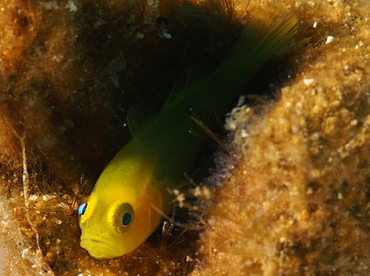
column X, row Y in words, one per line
column 122, row 210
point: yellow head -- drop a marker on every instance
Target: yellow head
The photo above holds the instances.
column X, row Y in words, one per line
column 119, row 215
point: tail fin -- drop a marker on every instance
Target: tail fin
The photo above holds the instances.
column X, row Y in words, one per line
column 259, row 41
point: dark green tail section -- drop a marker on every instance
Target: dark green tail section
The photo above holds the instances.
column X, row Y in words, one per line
column 167, row 140
column 257, row 44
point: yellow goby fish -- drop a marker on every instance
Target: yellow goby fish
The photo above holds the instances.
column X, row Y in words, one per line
column 122, row 210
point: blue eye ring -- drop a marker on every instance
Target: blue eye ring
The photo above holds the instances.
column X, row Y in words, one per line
column 126, row 219
column 81, row 209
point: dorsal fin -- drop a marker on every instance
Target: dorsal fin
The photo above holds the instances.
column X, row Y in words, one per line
column 138, row 119
column 191, row 76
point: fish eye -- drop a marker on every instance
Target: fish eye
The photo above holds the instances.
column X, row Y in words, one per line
column 121, row 216
column 126, row 219
column 81, row 209
column 124, row 215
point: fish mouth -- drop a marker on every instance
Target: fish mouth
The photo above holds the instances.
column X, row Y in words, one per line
column 99, row 249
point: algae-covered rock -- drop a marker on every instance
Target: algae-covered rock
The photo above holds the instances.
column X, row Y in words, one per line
column 296, row 202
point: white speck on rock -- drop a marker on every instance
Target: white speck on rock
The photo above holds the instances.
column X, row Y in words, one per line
column 308, row 81
column 329, row 39
column 139, row 35
column 71, row 6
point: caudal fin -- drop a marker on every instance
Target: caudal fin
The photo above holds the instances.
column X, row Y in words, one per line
column 263, row 37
